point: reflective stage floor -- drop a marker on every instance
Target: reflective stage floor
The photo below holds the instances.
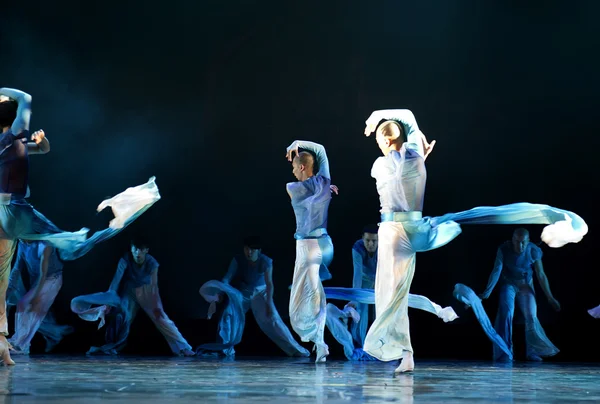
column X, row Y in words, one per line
column 266, row 380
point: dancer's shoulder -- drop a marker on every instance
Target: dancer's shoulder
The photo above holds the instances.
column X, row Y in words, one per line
column 535, row 251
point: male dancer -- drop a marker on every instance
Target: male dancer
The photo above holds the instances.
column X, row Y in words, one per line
column 248, row 284
column 45, row 275
column 135, row 284
column 18, row 219
column 513, row 267
column 400, row 175
column 310, row 197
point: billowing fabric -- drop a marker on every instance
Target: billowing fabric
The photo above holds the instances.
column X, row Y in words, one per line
column 367, row 296
column 337, row 320
column 93, row 307
column 466, row 295
column 337, row 324
column 148, row 298
column 388, row 337
column 233, row 318
column 20, row 221
column 595, row 312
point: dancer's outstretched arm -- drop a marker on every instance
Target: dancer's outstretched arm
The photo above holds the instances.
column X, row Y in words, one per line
column 357, row 262
column 494, row 276
column 231, row 271
column 114, row 285
column 543, row 280
column 21, row 123
column 270, row 289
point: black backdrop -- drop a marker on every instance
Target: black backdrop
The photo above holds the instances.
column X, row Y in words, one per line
column 207, row 95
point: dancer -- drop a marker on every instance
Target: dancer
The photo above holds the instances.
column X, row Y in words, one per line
column 248, row 284
column 400, row 175
column 45, row 275
column 135, row 284
column 310, row 197
column 364, row 261
column 513, row 268
column 18, row 219
column 362, row 298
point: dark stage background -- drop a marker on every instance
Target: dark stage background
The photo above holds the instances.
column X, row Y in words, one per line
column 207, row 95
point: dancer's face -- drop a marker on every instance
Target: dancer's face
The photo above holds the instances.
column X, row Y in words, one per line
column 520, row 243
column 139, row 254
column 251, row 253
column 297, row 169
column 370, row 241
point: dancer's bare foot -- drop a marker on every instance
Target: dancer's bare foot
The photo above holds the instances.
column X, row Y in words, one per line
column 4, row 351
column 407, row 363
column 188, row 352
column 322, row 352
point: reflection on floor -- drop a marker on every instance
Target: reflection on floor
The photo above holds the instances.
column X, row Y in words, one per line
column 268, row 380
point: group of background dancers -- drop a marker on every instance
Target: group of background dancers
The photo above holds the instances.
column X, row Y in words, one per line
column 384, row 258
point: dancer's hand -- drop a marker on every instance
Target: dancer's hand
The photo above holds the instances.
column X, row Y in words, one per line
column 293, row 148
column 351, row 304
column 427, row 147
column 554, row 303
column 371, row 122
column 38, row 136
column 483, row 296
column 334, row 189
